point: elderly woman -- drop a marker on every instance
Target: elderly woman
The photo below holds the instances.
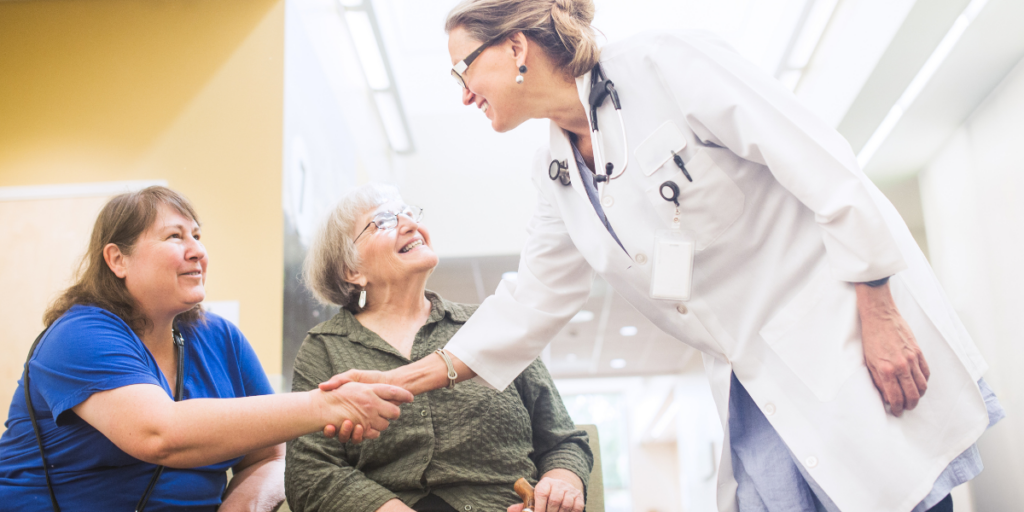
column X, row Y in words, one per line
column 123, row 345
column 458, row 448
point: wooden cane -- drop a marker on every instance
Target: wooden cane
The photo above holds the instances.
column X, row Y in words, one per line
column 525, row 491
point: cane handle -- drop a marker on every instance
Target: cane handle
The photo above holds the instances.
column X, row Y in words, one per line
column 525, row 491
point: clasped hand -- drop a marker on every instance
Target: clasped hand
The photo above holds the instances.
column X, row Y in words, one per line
column 360, row 408
column 555, row 493
column 358, row 431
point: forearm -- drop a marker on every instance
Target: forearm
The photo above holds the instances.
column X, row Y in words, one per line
column 198, row 432
column 394, row 505
column 258, row 487
column 875, row 302
column 427, row 374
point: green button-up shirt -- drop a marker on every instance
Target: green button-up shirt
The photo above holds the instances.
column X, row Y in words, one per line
column 466, row 445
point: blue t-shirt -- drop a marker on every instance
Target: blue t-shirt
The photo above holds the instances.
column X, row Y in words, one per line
column 89, row 350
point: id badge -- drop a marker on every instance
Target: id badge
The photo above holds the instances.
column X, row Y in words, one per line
column 672, row 267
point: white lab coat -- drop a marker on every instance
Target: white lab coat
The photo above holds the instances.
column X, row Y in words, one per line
column 785, row 221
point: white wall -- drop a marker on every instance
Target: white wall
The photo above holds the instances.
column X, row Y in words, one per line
column 971, row 195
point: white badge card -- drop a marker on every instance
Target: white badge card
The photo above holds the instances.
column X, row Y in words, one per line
column 672, row 268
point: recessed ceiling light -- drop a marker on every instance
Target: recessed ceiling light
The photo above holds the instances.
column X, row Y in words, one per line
column 582, row 316
column 629, row 330
column 617, row 364
column 511, row 275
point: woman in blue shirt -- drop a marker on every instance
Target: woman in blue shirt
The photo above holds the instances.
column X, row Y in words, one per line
column 103, row 376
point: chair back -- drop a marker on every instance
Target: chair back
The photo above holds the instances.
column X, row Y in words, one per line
column 595, row 488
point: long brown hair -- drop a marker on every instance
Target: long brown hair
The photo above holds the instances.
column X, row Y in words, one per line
column 120, row 222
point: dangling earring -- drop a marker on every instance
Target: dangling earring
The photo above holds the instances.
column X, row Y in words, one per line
column 519, row 77
column 362, row 298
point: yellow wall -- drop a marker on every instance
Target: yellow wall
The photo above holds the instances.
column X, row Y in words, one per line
column 188, row 91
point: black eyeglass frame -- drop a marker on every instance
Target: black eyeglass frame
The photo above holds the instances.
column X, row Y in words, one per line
column 417, row 215
column 460, row 67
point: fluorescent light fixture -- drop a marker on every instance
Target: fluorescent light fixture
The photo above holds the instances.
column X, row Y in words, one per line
column 365, row 32
column 810, row 27
column 571, row 358
column 391, row 117
column 919, row 82
column 617, row 364
column 666, row 418
column 628, row 330
column 510, row 276
column 810, row 33
column 365, row 39
column 581, row 317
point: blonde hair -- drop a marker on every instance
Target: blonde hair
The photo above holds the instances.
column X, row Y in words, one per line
column 561, row 27
column 334, row 250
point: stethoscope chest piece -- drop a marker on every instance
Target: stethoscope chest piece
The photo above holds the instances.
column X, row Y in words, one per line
column 559, row 170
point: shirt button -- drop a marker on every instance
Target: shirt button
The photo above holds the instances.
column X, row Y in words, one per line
column 811, row 461
column 423, row 413
column 641, row 258
column 769, row 409
column 607, row 201
column 682, row 309
column 424, row 460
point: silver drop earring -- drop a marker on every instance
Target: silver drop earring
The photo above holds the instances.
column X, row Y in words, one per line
column 362, row 298
column 519, row 77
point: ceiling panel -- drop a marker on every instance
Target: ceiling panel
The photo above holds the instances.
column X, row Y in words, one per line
column 580, row 349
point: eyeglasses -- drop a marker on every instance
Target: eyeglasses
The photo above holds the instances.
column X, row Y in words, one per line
column 389, row 220
column 459, row 68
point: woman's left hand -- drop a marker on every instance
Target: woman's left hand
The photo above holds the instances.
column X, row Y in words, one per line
column 559, row 490
column 891, row 354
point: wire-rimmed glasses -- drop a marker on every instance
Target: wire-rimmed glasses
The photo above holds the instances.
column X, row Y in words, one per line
column 389, row 220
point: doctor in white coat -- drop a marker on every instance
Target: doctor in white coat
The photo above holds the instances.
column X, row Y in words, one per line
column 820, row 321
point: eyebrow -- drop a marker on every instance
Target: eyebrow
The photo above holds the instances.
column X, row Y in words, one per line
column 181, row 227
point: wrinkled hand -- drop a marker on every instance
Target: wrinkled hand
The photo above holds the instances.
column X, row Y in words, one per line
column 350, row 431
column 554, row 495
column 364, row 376
column 893, row 358
column 362, row 410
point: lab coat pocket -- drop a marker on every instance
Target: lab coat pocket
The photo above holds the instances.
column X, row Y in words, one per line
column 708, row 205
column 817, row 335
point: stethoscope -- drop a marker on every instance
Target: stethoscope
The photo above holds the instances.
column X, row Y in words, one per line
column 600, row 89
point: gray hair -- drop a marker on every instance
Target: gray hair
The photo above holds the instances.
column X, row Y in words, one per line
column 561, row 27
column 333, row 249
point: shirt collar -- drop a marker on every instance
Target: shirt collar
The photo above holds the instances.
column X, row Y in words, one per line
column 345, row 324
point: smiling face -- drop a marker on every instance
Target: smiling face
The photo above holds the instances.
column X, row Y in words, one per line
column 391, row 257
column 166, row 270
column 490, row 79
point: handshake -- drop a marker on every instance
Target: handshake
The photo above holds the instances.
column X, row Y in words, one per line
column 359, row 404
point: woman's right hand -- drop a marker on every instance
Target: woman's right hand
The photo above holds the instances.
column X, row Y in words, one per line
column 362, row 407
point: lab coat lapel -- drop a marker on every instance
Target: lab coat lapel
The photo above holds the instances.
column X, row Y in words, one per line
column 561, row 150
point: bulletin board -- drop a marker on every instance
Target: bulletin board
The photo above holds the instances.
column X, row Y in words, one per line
column 43, row 242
